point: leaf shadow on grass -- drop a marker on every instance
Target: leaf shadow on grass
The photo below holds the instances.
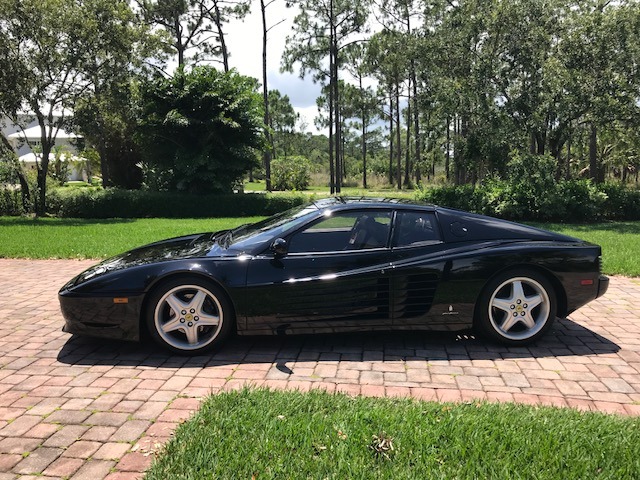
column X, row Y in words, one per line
column 61, row 222
column 567, row 338
column 612, row 227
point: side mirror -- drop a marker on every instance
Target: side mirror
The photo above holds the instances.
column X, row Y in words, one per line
column 279, row 247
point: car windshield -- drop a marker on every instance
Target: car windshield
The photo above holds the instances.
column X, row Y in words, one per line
column 248, row 236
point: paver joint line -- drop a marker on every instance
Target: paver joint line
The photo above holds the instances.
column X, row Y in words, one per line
column 76, row 406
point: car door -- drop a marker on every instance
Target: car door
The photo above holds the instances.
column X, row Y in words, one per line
column 333, row 276
column 418, row 266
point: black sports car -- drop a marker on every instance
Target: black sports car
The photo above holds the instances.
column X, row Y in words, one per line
column 340, row 264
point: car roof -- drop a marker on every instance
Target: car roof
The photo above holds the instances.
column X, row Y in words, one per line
column 457, row 225
column 339, row 203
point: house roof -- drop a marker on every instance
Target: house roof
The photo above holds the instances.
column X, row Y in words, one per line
column 34, row 133
column 31, row 157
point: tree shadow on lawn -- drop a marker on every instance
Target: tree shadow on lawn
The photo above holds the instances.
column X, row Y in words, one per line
column 613, row 227
column 567, row 338
column 60, row 222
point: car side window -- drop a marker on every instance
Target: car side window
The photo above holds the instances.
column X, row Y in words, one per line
column 415, row 228
column 343, row 231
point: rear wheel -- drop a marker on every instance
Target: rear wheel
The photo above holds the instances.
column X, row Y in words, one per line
column 189, row 316
column 517, row 307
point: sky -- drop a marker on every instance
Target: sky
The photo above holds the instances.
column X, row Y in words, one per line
column 244, row 40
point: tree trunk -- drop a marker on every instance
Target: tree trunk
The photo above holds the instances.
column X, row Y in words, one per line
column 532, row 143
column 593, row 153
column 446, row 153
column 332, row 162
column 223, row 43
column 179, row 45
column 398, row 147
column 407, row 152
column 104, row 165
column 456, row 151
column 568, row 171
column 47, row 140
column 42, row 180
column 364, row 137
column 541, row 140
column 416, row 122
column 461, row 162
column 336, row 114
column 266, row 155
column 391, row 132
column 364, row 151
column 332, row 172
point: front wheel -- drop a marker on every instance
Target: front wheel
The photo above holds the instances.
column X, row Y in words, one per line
column 516, row 308
column 189, row 316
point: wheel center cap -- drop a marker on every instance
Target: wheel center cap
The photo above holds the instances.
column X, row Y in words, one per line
column 519, row 308
column 189, row 317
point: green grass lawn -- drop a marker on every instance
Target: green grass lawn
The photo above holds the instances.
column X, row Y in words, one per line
column 264, row 434
column 77, row 238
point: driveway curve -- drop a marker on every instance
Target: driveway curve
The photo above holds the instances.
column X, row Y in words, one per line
column 92, row 409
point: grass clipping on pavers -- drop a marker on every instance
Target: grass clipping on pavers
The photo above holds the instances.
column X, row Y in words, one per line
column 259, row 434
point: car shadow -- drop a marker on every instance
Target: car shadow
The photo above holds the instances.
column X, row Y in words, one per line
column 567, row 338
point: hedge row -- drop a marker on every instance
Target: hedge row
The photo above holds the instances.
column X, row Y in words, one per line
column 98, row 203
column 564, row 201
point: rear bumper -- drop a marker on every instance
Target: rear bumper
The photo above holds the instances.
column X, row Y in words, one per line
column 603, row 285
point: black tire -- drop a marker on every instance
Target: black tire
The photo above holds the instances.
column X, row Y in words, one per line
column 189, row 316
column 516, row 307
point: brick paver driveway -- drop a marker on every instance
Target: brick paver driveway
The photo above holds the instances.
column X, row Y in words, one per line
column 81, row 408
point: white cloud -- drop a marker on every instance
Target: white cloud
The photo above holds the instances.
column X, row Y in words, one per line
column 244, row 40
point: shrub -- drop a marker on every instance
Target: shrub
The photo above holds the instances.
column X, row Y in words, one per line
column 199, row 130
column 565, row 201
column 622, row 202
column 530, row 190
column 290, row 173
column 453, row 196
column 99, row 203
column 11, row 201
column 580, row 200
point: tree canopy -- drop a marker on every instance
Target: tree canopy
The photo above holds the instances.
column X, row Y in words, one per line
column 413, row 91
column 51, row 53
column 200, row 130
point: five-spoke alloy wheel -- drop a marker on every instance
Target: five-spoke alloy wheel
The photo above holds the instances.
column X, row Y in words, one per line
column 189, row 315
column 517, row 307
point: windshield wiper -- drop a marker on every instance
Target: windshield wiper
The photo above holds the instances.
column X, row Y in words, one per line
column 225, row 237
column 221, row 238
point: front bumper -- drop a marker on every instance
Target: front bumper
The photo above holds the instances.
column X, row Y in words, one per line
column 603, row 285
column 98, row 316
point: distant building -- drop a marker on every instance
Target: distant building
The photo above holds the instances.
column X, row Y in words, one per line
column 24, row 142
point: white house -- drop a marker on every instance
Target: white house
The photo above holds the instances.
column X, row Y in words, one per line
column 29, row 139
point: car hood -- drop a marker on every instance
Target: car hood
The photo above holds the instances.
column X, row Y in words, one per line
column 179, row 248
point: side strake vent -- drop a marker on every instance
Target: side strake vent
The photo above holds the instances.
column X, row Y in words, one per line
column 414, row 294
